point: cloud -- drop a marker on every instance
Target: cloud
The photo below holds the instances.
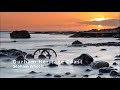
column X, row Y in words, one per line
column 109, row 22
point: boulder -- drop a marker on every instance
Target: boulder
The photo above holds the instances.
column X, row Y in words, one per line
column 64, row 63
column 85, row 75
column 67, row 73
column 77, row 43
column 117, row 56
column 32, row 72
column 57, row 76
column 20, row 34
column 105, row 70
column 63, row 50
column 83, row 59
column 99, row 64
column 113, row 73
column 87, row 70
column 42, row 57
column 115, row 63
column 48, row 74
column 52, row 65
column 103, row 49
column 21, row 59
column 29, row 56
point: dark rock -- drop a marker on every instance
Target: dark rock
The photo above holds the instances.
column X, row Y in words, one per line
column 67, row 73
column 42, row 57
column 99, row 64
column 117, row 59
column 96, row 56
column 115, row 63
column 57, row 76
column 110, row 67
column 85, row 75
column 64, row 63
column 117, row 56
column 32, row 72
column 48, row 74
column 3, row 55
column 87, row 70
column 104, row 70
column 14, row 41
column 118, row 39
column 118, row 74
column 83, row 59
column 103, row 49
column 113, row 73
column 52, row 65
column 63, row 50
column 20, row 34
column 113, row 69
column 73, row 76
column 21, row 59
column 29, row 56
column 98, row 77
column 77, row 43
column 100, row 74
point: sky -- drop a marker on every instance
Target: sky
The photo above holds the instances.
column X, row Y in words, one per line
column 71, row 21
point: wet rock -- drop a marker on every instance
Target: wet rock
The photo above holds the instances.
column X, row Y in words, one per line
column 117, row 59
column 42, row 57
column 99, row 77
column 117, row 56
column 118, row 74
column 99, row 64
column 29, row 56
column 113, row 69
column 118, row 39
column 63, row 50
column 87, row 70
column 76, row 43
column 20, row 34
column 64, row 63
column 67, row 73
column 113, row 73
column 104, row 70
column 103, row 49
column 96, row 56
column 32, row 72
column 14, row 41
column 100, row 74
column 58, row 76
column 48, row 74
column 83, row 59
column 52, row 65
column 110, row 67
column 115, row 63
column 3, row 55
column 21, row 59
column 73, row 76
column 7, row 60
column 85, row 75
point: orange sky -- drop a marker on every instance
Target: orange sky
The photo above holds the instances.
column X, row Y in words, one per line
column 58, row 20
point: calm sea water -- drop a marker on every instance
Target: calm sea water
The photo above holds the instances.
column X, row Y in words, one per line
column 56, row 42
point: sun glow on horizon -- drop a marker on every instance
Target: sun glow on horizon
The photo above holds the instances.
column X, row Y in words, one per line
column 99, row 19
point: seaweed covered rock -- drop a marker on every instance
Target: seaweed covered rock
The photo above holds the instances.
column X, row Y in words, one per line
column 83, row 59
column 20, row 34
column 99, row 64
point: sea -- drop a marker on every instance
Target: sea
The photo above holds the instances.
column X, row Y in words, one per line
column 57, row 42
